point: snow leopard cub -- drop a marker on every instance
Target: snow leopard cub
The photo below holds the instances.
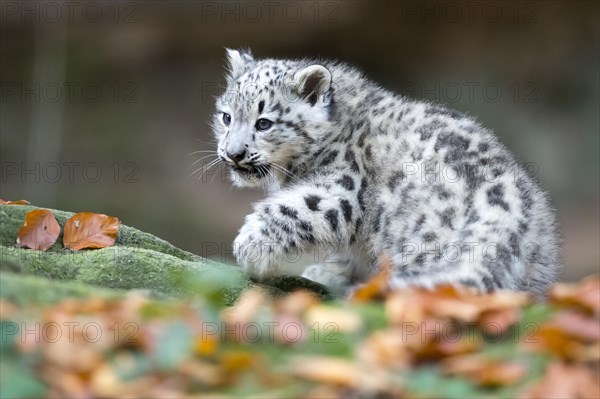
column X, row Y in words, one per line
column 349, row 164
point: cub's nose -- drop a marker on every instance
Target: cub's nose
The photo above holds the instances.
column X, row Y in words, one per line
column 237, row 156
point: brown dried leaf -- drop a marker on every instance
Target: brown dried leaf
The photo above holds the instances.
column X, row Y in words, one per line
column 386, row 348
column 245, row 308
column 467, row 306
column 200, row 371
column 342, row 320
column 404, row 307
column 39, row 231
column 485, row 372
column 499, row 374
column 90, row 230
column 500, row 319
column 297, row 302
column 439, row 347
column 290, row 330
column 565, row 382
column 377, row 286
column 328, row 370
column 585, row 294
column 233, row 362
column 68, row 383
column 576, row 325
column 341, row 372
column 7, row 310
column 104, row 380
column 570, row 335
column 459, row 309
column 553, row 339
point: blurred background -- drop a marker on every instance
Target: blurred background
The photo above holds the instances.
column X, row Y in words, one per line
column 103, row 102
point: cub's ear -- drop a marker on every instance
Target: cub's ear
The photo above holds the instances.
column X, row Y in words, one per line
column 237, row 60
column 312, row 82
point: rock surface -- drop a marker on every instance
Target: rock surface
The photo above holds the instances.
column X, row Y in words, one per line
column 138, row 260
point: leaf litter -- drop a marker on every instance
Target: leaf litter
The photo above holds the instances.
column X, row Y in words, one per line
column 438, row 343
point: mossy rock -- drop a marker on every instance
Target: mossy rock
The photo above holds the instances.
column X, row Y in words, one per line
column 138, row 260
column 25, row 290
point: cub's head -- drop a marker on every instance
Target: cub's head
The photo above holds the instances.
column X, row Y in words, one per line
column 272, row 115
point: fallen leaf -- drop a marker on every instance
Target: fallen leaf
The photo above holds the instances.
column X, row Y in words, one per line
column 467, row 306
column 459, row 309
column 565, row 382
column 385, row 348
column 104, row 380
column 577, row 325
column 7, row 310
column 484, row 372
column 551, row 338
column 39, row 231
column 204, row 372
column 377, row 286
column 500, row 319
column 90, row 230
column 442, row 344
column 340, row 372
column 585, row 294
column 236, row 361
column 206, row 345
column 245, row 308
column 339, row 319
column 297, row 302
column 328, row 370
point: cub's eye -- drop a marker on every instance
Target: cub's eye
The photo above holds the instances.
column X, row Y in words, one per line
column 226, row 118
column 263, row 124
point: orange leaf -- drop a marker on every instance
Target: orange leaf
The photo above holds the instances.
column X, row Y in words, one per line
column 329, row 370
column 39, row 231
column 498, row 374
column 340, row 372
column 205, row 346
column 584, row 294
column 377, row 286
column 485, row 372
column 237, row 361
column 563, row 380
column 576, row 325
column 297, row 302
column 19, row 202
column 386, row 348
column 553, row 339
column 90, row 230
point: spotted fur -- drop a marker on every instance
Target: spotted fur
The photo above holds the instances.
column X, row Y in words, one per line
column 348, row 163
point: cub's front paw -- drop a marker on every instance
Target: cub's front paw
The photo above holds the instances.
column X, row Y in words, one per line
column 255, row 252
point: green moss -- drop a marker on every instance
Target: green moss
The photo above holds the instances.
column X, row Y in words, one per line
column 115, row 267
column 32, row 290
